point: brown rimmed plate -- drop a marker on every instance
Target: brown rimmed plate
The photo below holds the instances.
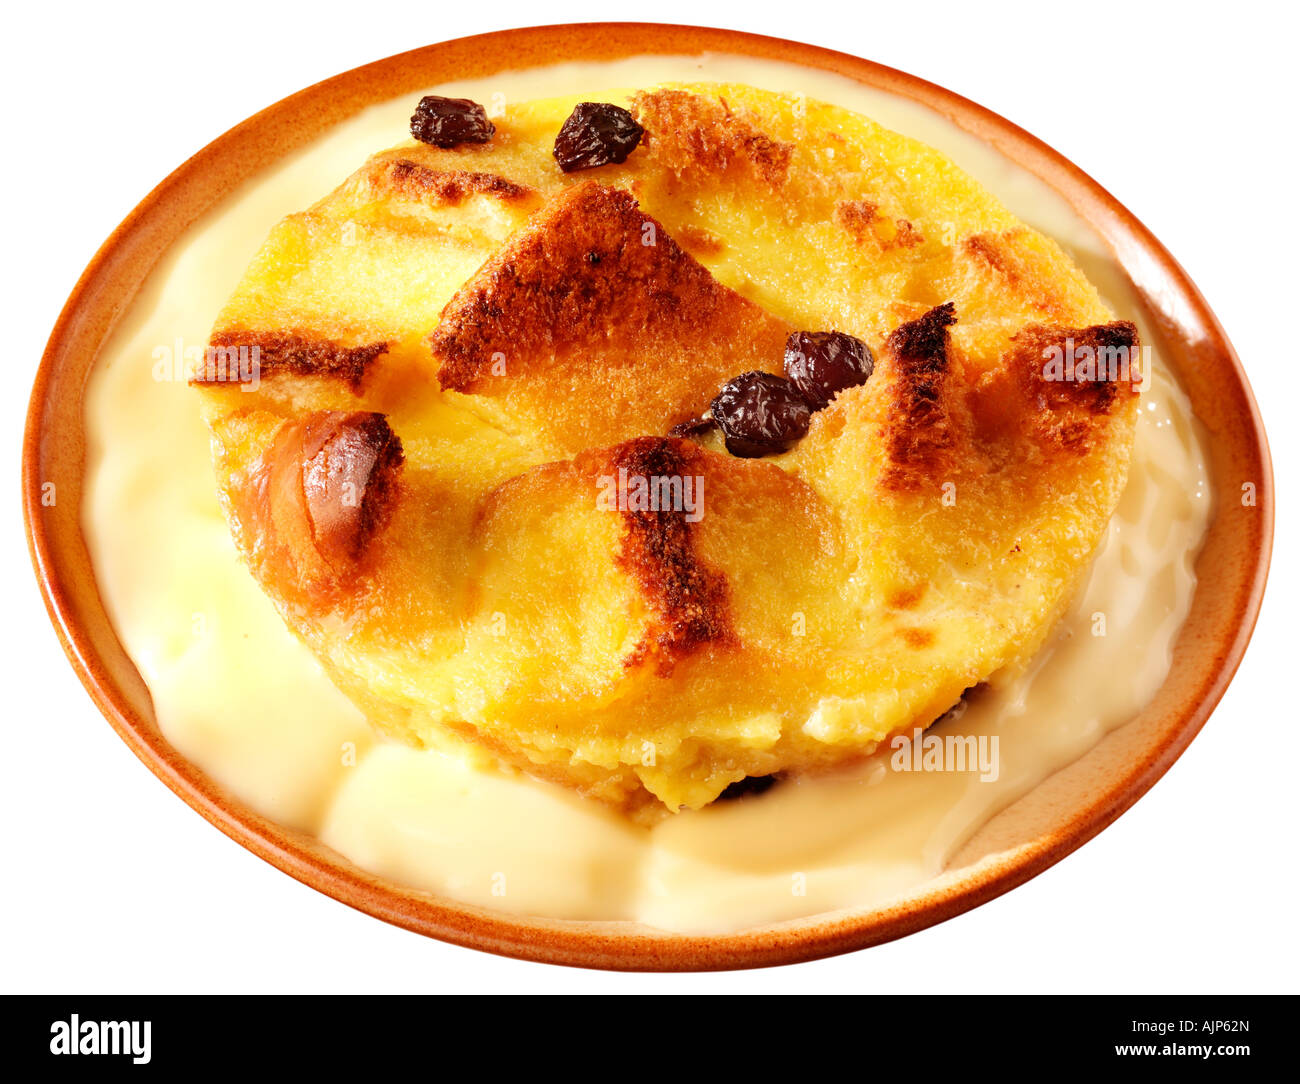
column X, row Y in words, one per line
column 1041, row 828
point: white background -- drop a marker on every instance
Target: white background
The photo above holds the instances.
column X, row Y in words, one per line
column 1186, row 113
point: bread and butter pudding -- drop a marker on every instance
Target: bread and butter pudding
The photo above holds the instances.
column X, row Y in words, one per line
column 469, row 349
column 435, row 479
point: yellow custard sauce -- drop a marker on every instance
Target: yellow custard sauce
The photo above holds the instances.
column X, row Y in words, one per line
column 239, row 695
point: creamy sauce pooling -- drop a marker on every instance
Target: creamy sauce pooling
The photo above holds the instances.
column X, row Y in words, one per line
column 240, row 696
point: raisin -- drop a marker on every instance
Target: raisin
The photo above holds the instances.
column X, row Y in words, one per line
column 596, row 134
column 446, row 122
column 822, row 363
column 760, row 414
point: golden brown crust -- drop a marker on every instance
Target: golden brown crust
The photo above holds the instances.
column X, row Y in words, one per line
column 921, row 438
column 580, row 274
column 1019, row 271
column 690, row 132
column 445, row 187
column 597, row 324
column 917, row 639
column 1056, row 389
column 907, row 598
column 862, row 220
column 701, row 242
column 1072, row 378
column 276, row 353
column 688, row 598
column 654, row 486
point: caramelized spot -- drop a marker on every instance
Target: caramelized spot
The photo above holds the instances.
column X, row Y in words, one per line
column 688, row 598
column 987, row 248
column 920, row 435
column 1022, row 272
column 862, row 220
column 1098, row 363
column 689, row 132
column 856, row 216
column 701, row 242
column 273, row 353
column 908, row 236
column 1058, row 386
column 449, row 187
column 907, row 598
column 917, row 638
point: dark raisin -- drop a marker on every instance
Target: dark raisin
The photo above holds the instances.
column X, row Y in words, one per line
column 446, row 122
column 743, row 788
column 821, row 363
column 696, row 427
column 760, row 413
column 596, row 134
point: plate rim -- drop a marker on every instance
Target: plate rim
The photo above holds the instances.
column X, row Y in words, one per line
column 610, row 945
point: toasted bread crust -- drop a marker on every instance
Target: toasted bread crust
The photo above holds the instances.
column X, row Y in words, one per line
column 921, row 439
column 688, row 598
column 997, row 256
column 595, row 322
column 1099, row 369
column 446, row 187
column 689, row 132
column 683, row 601
column 700, row 242
column 294, row 353
column 581, row 276
column 862, row 220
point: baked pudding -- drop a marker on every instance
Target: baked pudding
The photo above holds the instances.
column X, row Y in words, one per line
column 660, row 442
